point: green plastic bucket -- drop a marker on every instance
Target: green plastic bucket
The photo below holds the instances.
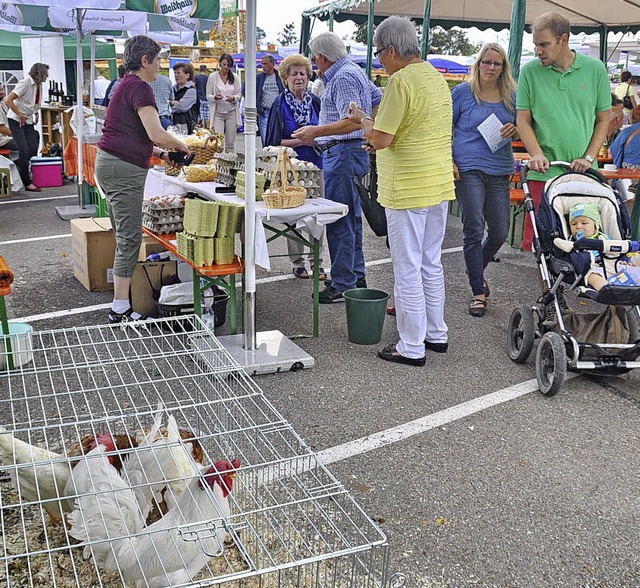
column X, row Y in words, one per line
column 20, row 344
column 366, row 309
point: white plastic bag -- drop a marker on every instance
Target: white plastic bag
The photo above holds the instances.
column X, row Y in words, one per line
column 89, row 125
column 177, row 294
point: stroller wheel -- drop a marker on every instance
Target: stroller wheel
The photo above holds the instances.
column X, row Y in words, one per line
column 551, row 364
column 520, row 334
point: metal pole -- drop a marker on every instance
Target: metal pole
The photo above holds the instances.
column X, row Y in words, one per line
column 426, row 19
column 250, row 128
column 92, row 97
column 369, row 36
column 79, row 109
column 518, row 16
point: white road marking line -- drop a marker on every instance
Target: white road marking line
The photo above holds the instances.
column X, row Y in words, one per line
column 32, row 239
column 72, row 311
column 421, row 425
column 29, row 201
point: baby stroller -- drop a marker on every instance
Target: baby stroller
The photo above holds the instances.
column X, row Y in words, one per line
column 606, row 343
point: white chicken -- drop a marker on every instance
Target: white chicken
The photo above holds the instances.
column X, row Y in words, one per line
column 104, row 507
column 175, row 548
column 182, row 465
column 144, row 466
column 39, row 474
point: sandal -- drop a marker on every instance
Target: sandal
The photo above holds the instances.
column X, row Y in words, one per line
column 322, row 275
column 300, row 272
column 477, row 307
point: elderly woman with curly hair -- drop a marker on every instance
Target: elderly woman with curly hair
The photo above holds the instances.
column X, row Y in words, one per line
column 295, row 107
column 483, row 175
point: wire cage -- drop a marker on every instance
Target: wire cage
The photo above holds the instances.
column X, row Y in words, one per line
column 110, row 434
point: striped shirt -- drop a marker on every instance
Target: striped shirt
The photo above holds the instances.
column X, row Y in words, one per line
column 346, row 82
column 163, row 91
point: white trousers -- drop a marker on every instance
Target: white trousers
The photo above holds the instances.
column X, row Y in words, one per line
column 415, row 239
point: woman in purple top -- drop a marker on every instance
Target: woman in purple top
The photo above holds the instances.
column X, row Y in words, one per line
column 483, row 172
column 132, row 129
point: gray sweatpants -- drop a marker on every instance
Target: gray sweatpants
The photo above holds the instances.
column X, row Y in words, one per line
column 123, row 186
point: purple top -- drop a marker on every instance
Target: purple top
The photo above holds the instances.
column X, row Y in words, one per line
column 124, row 135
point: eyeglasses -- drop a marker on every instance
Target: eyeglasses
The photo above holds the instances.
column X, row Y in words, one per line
column 495, row 64
column 378, row 52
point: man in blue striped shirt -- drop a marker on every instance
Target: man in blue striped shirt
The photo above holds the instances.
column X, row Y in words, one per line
column 343, row 157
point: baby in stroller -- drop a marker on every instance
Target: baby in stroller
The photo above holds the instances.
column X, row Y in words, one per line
column 585, row 223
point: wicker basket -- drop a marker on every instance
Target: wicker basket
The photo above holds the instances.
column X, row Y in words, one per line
column 280, row 194
column 172, row 170
column 207, row 148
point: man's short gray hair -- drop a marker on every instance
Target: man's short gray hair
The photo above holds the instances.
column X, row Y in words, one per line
column 329, row 45
column 269, row 57
column 400, row 32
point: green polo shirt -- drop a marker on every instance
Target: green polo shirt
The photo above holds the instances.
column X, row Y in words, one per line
column 563, row 106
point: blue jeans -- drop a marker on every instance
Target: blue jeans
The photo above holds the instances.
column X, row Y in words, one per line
column 262, row 125
column 342, row 163
column 483, row 199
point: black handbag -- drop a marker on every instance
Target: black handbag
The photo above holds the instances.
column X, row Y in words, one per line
column 626, row 101
column 368, row 190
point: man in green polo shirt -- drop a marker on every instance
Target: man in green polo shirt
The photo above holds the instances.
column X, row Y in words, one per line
column 563, row 105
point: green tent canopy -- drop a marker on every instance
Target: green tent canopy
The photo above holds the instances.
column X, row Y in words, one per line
column 12, row 50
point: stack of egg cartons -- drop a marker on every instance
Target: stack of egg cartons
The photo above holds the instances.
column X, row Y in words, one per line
column 163, row 214
column 226, row 168
column 241, row 184
column 196, row 242
column 230, row 217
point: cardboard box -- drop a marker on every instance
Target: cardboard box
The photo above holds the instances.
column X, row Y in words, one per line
column 93, row 250
column 159, row 274
column 149, row 245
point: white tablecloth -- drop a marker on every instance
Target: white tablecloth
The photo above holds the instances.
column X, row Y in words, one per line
column 311, row 217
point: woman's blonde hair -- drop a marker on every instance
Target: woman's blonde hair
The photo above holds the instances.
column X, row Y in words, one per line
column 294, row 61
column 506, row 84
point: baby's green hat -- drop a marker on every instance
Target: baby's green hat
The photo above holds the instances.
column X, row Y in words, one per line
column 588, row 209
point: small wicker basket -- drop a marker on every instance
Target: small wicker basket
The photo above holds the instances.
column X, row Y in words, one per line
column 280, row 194
column 207, row 148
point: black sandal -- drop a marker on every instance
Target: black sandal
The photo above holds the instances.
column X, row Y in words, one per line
column 300, row 272
column 477, row 307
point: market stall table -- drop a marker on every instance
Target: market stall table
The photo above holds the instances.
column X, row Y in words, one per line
column 311, row 217
column 621, row 173
column 205, row 277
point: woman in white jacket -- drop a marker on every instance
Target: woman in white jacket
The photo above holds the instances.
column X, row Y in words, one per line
column 224, row 94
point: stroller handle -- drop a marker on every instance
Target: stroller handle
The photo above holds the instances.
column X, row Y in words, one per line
column 591, row 172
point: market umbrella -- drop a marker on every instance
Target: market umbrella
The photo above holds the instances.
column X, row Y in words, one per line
column 447, row 66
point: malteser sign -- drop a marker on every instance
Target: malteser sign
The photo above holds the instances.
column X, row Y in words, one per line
column 209, row 9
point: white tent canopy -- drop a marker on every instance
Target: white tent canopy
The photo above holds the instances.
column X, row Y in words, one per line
column 612, row 15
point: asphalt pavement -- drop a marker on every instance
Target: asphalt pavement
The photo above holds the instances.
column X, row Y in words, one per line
column 476, row 478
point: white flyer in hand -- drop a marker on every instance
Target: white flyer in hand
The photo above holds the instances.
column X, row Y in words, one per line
column 490, row 131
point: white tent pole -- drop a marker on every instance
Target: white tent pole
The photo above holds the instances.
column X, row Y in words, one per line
column 79, row 110
column 93, row 70
column 250, row 128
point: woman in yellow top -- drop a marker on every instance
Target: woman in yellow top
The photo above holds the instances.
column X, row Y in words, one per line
column 412, row 135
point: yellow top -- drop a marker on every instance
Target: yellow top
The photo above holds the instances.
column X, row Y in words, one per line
column 416, row 170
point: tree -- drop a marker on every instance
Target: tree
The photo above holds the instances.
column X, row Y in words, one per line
column 451, row 42
column 260, row 35
column 288, row 35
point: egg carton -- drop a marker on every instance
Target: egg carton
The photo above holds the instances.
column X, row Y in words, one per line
column 161, row 228
column 159, row 203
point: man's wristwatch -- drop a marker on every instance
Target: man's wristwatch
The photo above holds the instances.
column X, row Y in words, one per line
column 589, row 158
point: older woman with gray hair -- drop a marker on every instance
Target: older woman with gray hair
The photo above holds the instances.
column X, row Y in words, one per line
column 24, row 104
column 293, row 108
column 412, row 136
